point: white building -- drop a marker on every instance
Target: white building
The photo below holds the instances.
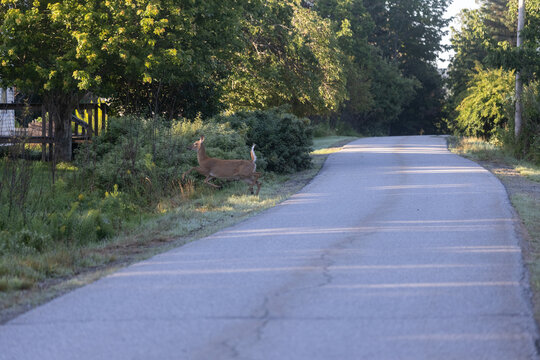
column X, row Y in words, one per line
column 7, row 117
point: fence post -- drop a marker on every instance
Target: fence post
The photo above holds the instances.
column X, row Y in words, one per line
column 103, row 116
column 43, row 133
column 90, row 122
column 50, row 137
column 95, row 108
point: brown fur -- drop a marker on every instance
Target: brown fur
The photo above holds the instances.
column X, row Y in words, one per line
column 243, row 170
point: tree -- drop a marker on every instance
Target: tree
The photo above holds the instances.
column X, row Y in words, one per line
column 519, row 83
column 487, row 36
column 483, row 109
column 39, row 55
column 155, row 57
column 290, row 56
column 498, row 20
column 472, row 43
column 469, row 45
column 351, row 23
column 171, row 54
column 376, row 87
column 409, row 34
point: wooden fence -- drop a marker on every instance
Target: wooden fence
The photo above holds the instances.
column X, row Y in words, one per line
column 83, row 128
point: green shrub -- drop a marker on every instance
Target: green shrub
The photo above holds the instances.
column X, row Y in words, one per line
column 92, row 226
column 142, row 158
column 221, row 140
column 483, row 110
column 283, row 140
column 138, row 155
column 23, row 242
column 528, row 145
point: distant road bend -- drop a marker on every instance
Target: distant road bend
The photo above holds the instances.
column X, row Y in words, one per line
column 398, row 249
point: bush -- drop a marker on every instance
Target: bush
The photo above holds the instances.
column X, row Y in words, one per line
column 23, row 242
column 138, row 155
column 528, row 145
column 142, row 158
column 483, row 110
column 221, row 140
column 283, row 140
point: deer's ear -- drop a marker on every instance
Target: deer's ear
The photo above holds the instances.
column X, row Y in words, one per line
column 202, row 138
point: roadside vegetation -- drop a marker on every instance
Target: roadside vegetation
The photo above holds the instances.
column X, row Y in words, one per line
column 482, row 81
column 122, row 199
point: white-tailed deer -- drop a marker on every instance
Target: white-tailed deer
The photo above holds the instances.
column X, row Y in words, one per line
column 225, row 169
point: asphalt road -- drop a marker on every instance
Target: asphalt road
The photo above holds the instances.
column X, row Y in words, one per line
column 396, row 250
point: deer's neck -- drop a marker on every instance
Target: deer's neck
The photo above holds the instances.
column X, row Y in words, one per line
column 201, row 154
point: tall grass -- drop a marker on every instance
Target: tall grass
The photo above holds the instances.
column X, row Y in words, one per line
column 481, row 150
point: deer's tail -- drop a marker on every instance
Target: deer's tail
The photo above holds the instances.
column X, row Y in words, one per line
column 253, row 156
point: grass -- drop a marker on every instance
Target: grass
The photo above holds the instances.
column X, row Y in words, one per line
column 27, row 279
column 529, row 211
column 480, row 150
column 329, row 144
column 530, row 171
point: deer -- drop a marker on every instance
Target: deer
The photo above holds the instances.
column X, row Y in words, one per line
column 243, row 170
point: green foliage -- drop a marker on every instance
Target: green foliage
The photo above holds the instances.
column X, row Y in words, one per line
column 390, row 47
column 186, row 58
column 56, row 213
column 487, row 36
column 290, row 56
column 484, row 109
column 409, row 33
column 169, row 55
column 23, row 242
column 283, row 140
column 471, row 44
column 144, row 158
column 528, row 145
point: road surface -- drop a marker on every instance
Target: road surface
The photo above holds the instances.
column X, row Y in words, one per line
column 396, row 250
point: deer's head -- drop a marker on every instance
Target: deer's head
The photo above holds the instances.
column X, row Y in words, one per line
column 197, row 144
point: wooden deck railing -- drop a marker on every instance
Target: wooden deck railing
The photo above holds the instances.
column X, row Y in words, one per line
column 43, row 132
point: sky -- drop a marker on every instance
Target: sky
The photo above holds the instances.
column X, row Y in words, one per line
column 453, row 10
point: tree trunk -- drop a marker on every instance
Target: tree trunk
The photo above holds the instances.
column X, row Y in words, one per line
column 519, row 84
column 60, row 108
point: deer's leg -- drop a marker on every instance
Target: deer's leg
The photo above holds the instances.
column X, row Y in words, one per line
column 258, row 187
column 257, row 176
column 207, row 181
column 187, row 172
column 254, row 181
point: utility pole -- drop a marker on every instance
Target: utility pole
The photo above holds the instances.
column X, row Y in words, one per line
column 519, row 84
